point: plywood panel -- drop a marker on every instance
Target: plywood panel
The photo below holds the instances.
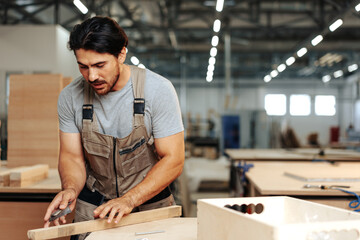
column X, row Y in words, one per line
column 17, row 218
column 32, row 119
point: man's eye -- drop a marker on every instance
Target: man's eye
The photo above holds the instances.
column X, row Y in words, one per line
column 83, row 67
column 100, row 66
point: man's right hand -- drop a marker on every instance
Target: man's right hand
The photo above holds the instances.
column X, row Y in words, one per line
column 60, row 201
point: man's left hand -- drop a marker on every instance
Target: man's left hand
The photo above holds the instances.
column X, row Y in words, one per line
column 120, row 206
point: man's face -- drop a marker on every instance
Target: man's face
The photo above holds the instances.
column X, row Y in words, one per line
column 100, row 70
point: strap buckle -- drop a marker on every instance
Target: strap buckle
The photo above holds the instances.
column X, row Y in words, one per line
column 139, row 106
column 88, row 111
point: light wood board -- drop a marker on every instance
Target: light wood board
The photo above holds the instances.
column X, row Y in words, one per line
column 27, row 176
column 298, row 154
column 5, row 176
column 52, row 184
column 101, row 224
column 268, row 178
column 33, row 132
column 329, row 173
column 173, row 229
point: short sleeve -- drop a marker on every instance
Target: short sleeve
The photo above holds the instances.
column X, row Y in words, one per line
column 66, row 112
column 166, row 112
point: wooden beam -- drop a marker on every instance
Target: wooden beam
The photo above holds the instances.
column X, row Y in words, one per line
column 101, row 224
column 26, row 176
column 5, row 176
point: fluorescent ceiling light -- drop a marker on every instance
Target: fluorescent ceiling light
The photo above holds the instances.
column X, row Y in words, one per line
column 317, row 40
column 215, row 41
column 211, row 68
column 281, row 67
column 336, row 25
column 326, row 78
column 357, row 8
column 217, row 25
column 213, row 52
column 352, row 67
column 302, row 52
column 219, row 5
column 209, row 78
column 338, row 73
column 212, row 61
column 274, row 73
column 80, row 6
column 210, row 73
column 267, row 78
column 290, row 61
column 141, row 66
column 134, row 60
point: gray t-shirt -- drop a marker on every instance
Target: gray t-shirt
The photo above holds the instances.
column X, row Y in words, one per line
column 114, row 110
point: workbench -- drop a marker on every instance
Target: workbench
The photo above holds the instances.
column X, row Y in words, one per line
column 166, row 229
column 296, row 154
column 23, row 208
column 288, row 179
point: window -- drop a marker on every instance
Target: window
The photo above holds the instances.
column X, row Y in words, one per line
column 300, row 105
column 325, row 105
column 275, row 104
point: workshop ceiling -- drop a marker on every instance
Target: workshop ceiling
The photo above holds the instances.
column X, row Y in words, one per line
column 173, row 37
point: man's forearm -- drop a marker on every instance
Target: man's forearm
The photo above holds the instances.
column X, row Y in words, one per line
column 159, row 177
column 72, row 175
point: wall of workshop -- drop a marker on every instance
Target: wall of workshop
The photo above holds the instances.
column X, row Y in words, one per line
column 200, row 99
column 33, row 49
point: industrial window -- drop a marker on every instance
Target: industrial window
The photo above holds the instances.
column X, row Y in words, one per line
column 300, row 105
column 275, row 104
column 325, row 105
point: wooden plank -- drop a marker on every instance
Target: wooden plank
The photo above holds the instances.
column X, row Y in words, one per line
column 52, row 184
column 28, row 175
column 5, row 176
column 101, row 224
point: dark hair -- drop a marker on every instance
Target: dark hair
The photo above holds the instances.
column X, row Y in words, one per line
column 101, row 34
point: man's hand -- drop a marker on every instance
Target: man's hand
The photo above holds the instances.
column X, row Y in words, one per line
column 120, row 206
column 60, row 201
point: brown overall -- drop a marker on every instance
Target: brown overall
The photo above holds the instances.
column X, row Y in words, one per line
column 116, row 165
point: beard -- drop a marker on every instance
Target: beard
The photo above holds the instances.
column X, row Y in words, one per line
column 107, row 86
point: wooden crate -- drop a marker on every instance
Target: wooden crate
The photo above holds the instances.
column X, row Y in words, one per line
column 277, row 218
column 33, row 132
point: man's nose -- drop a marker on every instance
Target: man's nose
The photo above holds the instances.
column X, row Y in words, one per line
column 93, row 75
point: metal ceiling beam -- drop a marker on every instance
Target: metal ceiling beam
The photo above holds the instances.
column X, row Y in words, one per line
column 21, row 9
column 32, row 14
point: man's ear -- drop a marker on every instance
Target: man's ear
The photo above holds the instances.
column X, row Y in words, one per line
column 122, row 55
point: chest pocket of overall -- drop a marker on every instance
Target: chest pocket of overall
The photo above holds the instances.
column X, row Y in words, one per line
column 98, row 156
column 135, row 158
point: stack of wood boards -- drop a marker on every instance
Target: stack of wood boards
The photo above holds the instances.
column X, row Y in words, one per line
column 24, row 176
column 0, row 143
column 33, row 135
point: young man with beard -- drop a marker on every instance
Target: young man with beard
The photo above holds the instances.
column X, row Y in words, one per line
column 121, row 132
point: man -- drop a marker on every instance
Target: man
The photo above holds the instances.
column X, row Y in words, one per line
column 121, row 132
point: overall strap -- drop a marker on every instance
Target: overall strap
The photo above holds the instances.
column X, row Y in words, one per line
column 88, row 116
column 138, row 81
